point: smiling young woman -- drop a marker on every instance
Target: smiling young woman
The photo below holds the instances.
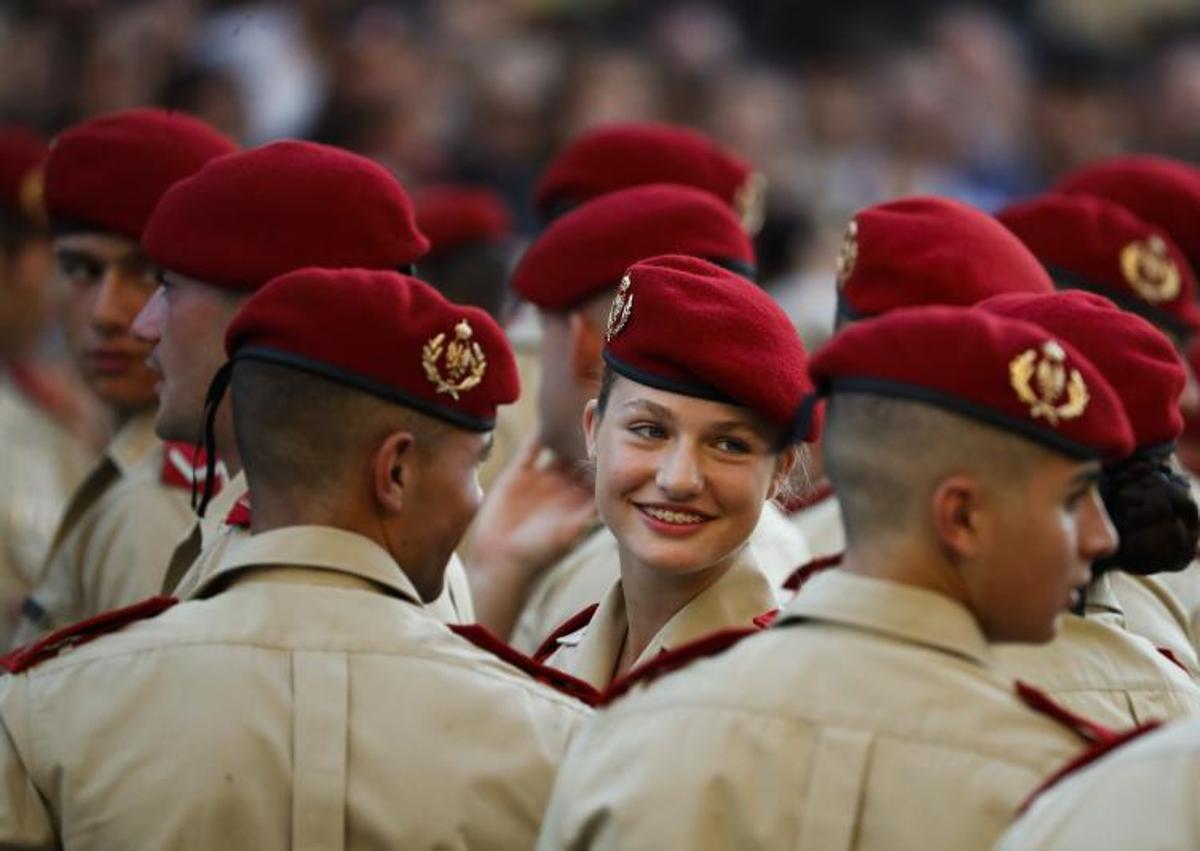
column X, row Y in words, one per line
column 689, row 443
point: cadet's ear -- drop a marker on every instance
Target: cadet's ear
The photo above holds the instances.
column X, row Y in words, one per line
column 591, row 421
column 587, row 346
column 955, row 512
column 392, row 471
column 785, row 465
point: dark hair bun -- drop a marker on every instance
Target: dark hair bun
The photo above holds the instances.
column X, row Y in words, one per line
column 1152, row 508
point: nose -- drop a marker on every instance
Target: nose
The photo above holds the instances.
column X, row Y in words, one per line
column 110, row 310
column 680, row 476
column 147, row 325
column 1097, row 535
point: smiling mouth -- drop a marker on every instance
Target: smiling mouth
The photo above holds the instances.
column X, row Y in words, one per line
column 675, row 518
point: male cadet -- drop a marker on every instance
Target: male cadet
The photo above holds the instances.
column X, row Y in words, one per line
column 1094, row 666
column 311, row 698
column 914, row 252
column 869, row 717
column 570, row 273
column 1095, row 244
column 220, row 235
column 40, row 458
column 618, row 156
column 102, row 179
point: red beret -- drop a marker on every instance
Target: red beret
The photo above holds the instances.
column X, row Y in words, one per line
column 1136, row 358
column 386, row 334
column 250, row 217
column 452, row 216
column 22, row 153
column 925, row 251
column 665, row 324
column 617, row 156
column 1158, row 190
column 1095, row 244
column 107, row 174
column 1003, row 372
column 586, row 252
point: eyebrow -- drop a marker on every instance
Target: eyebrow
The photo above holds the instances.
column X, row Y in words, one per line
column 652, row 407
column 1089, row 476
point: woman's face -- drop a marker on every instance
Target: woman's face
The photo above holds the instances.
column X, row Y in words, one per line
column 680, row 481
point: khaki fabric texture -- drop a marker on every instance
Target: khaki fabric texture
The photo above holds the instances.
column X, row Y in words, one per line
column 867, row 718
column 310, row 706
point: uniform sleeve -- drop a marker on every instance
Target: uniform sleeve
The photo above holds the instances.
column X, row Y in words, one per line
column 25, row 820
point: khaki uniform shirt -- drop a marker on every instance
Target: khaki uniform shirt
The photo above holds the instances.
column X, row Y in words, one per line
column 114, row 540
column 40, row 464
column 866, row 718
column 315, row 705
column 199, row 554
column 591, row 653
column 588, row 571
column 821, row 526
column 1145, row 606
column 1140, row 798
column 1104, row 673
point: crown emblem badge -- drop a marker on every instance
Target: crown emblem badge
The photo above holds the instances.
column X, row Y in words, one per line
column 462, row 358
column 1044, row 383
column 750, row 201
column 622, row 308
column 848, row 255
column 1149, row 269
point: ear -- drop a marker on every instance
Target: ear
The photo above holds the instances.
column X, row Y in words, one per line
column 956, row 506
column 393, row 471
column 587, row 346
column 785, row 465
column 591, row 422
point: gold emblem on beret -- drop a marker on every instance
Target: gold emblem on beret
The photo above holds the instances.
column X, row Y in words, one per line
column 1043, row 382
column 621, row 309
column 848, row 255
column 464, row 361
column 750, row 202
column 1149, row 269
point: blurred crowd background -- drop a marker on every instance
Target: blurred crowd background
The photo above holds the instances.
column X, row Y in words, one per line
column 841, row 104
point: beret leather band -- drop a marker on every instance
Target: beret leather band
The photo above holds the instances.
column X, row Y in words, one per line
column 365, row 384
column 672, row 385
column 1126, row 301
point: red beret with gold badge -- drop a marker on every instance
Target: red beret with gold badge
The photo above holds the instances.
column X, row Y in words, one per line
column 22, row 153
column 107, row 174
column 617, row 156
column 247, row 218
column 1002, row 372
column 452, row 216
column 383, row 333
column 1156, row 189
column 1098, row 245
column 688, row 326
column 1138, row 360
column 585, row 253
column 927, row 250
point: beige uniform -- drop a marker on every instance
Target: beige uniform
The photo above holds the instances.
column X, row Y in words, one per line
column 868, row 717
column 1145, row 606
column 588, row 571
column 41, row 463
column 201, row 551
column 312, row 706
column 114, row 540
column 1104, row 673
column 1141, row 797
column 821, row 525
column 591, row 653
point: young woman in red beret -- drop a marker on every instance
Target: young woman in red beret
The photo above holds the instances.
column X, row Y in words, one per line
column 689, row 442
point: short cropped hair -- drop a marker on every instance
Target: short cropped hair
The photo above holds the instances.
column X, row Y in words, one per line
column 885, row 458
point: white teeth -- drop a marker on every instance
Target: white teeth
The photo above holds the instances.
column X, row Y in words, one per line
column 672, row 516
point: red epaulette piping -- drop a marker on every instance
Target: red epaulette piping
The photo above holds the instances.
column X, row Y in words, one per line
column 572, row 624
column 1037, row 700
column 558, row 680
column 241, row 513
column 794, row 506
column 24, row 658
column 805, row 572
column 185, row 464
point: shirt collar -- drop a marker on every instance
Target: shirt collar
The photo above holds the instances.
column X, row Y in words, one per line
column 132, row 442
column 1102, row 599
column 321, row 548
column 904, row 612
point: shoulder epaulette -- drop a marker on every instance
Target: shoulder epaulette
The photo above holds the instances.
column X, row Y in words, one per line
column 1170, row 656
column 558, row 680
column 572, row 624
column 24, row 658
column 186, row 465
column 1040, row 702
column 805, row 572
column 241, row 514
column 672, row 660
column 1090, row 755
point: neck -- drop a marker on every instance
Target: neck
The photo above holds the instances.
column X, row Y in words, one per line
column 652, row 597
column 907, row 563
column 223, row 435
